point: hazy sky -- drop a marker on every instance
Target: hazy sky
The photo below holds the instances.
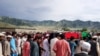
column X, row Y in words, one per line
column 51, row 9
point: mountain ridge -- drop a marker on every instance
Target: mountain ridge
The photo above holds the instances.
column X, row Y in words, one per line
column 61, row 23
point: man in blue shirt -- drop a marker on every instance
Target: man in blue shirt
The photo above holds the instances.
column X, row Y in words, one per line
column 72, row 45
column 13, row 45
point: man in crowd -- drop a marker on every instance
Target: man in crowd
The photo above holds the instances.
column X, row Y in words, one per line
column 26, row 46
column 95, row 49
column 46, row 46
column 18, row 39
column 62, row 48
column 78, row 48
column 52, row 43
column 7, row 50
column 39, row 41
column 13, row 45
column 85, row 48
column 23, row 40
column 1, row 38
column 34, row 47
column 72, row 45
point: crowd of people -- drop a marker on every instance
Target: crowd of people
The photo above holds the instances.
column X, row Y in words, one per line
column 48, row 44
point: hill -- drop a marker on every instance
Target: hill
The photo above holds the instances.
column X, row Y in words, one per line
column 14, row 22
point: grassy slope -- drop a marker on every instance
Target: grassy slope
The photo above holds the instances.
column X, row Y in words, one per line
column 2, row 24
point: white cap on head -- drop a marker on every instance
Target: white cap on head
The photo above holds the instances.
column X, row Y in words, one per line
column 60, row 33
column 86, row 46
column 95, row 37
column 1, row 34
column 47, row 35
column 9, row 36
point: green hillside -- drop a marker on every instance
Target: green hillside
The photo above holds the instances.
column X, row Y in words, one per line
column 14, row 22
column 6, row 25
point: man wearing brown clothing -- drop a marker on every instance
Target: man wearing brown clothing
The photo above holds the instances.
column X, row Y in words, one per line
column 7, row 49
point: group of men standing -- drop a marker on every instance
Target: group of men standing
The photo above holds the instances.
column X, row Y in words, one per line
column 47, row 44
column 8, row 44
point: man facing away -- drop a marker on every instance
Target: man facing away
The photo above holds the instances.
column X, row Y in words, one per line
column 62, row 48
column 94, row 47
column 72, row 45
column 85, row 48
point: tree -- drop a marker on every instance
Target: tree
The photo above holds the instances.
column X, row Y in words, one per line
column 84, row 29
column 65, row 29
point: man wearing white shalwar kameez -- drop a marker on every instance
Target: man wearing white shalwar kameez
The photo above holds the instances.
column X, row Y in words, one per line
column 1, row 38
column 46, row 48
column 19, row 46
column 52, row 43
column 1, row 49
